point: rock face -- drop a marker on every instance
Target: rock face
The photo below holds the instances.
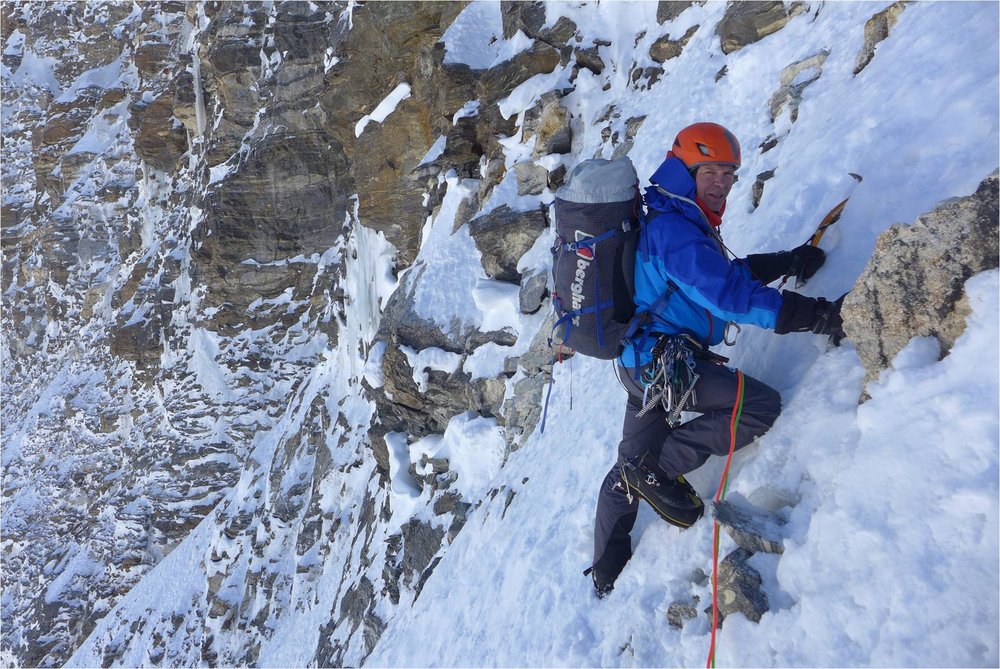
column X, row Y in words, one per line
column 749, row 22
column 665, row 48
column 548, row 123
column 186, row 273
column 913, row 283
column 794, row 80
column 503, row 236
column 212, row 337
column 877, row 29
column 752, row 529
column 740, row 588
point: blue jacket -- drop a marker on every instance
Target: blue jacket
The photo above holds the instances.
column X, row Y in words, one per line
column 678, row 251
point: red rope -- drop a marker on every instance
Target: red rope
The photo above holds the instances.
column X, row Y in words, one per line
column 720, row 493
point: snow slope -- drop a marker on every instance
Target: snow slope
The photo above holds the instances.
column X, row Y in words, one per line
column 892, row 555
column 892, row 506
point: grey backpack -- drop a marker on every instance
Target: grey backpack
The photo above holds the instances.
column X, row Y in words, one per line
column 598, row 216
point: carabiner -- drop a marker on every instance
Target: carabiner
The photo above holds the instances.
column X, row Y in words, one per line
column 725, row 335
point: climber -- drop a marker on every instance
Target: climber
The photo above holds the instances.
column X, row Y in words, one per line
column 697, row 294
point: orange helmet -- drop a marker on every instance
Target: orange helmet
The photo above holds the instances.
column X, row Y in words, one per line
column 703, row 143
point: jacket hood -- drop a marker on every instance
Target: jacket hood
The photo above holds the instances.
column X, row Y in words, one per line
column 672, row 175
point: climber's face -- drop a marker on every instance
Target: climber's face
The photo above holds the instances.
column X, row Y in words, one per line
column 713, row 183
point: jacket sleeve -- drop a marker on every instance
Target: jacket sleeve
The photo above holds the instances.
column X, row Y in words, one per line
column 680, row 252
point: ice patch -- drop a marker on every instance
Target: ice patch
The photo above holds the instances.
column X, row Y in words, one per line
column 372, row 371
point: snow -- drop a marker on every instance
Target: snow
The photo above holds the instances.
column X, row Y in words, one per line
column 892, row 552
column 103, row 131
column 34, row 70
column 431, row 358
column 372, row 371
column 884, row 522
column 404, row 489
column 892, row 505
column 498, row 301
column 448, row 265
column 475, row 38
column 471, row 108
column 100, row 77
column 474, row 448
column 371, row 280
column 433, row 153
column 383, row 108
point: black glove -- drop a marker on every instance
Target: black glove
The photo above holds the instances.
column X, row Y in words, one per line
column 810, row 314
column 802, row 261
column 807, row 260
column 766, row 267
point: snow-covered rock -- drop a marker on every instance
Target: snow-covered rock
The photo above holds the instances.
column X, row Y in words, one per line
column 264, row 404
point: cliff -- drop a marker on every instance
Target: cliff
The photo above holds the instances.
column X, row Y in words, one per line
column 275, row 287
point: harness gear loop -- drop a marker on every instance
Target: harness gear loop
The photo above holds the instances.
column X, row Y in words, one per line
column 670, row 379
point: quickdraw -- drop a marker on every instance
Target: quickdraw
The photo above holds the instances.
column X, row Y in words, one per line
column 669, row 381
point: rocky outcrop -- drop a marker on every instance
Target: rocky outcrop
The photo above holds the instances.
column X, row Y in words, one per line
column 794, row 80
column 190, row 190
column 668, row 10
column 503, row 236
column 364, row 68
column 285, row 205
column 740, row 588
column 666, row 48
column 532, row 371
column 418, row 412
column 749, row 22
column 548, row 123
column 632, row 126
column 757, row 192
column 529, row 17
column 159, row 141
column 913, row 284
column 877, row 29
column 739, row 585
column 751, row 528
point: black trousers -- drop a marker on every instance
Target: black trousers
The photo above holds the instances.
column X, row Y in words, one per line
column 676, row 451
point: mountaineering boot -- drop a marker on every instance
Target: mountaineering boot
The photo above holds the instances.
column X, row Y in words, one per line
column 673, row 499
column 603, row 584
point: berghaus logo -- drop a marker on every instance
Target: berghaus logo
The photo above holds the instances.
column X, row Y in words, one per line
column 585, row 256
column 585, row 252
